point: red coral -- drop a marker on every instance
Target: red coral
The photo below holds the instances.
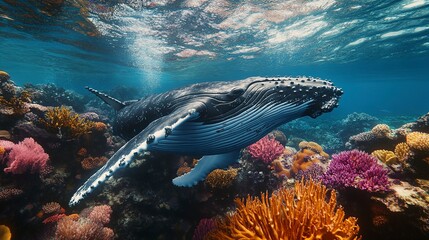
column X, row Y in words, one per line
column 266, row 149
column 24, row 156
column 54, row 218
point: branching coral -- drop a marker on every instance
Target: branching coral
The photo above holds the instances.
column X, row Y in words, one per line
column 418, row 141
column 220, row 179
column 302, row 213
column 16, row 105
column 356, row 169
column 63, row 121
column 266, row 149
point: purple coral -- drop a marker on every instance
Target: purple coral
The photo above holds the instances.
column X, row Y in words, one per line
column 356, row 169
column 205, row 226
column 25, row 156
column 266, row 149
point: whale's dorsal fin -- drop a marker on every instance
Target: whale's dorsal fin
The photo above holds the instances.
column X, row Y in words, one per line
column 113, row 102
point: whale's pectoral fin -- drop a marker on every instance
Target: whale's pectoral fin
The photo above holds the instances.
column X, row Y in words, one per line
column 204, row 167
column 158, row 129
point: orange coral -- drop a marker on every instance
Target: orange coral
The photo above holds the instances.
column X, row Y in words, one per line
column 184, row 168
column 418, row 141
column 382, row 131
column 5, row 233
column 403, row 151
column 63, row 121
column 219, row 178
column 82, row 152
column 313, row 147
column 301, row 213
column 93, row 162
column 73, row 216
column 2, row 150
column 100, row 126
column 279, row 169
column 385, row 156
column 303, row 159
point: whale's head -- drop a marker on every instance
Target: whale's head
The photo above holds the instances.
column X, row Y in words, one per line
column 320, row 96
column 283, row 98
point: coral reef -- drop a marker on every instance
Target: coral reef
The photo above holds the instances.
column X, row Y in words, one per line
column 64, row 122
column 51, row 207
column 418, row 141
column 266, row 149
column 220, row 179
column 204, row 226
column 89, row 163
column 301, row 213
column 382, row 131
column 24, row 156
column 356, row 169
column 388, row 157
column 54, row 96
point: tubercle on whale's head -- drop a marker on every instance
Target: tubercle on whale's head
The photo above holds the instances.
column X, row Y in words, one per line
column 322, row 95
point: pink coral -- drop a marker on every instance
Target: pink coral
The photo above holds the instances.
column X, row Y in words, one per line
column 266, row 149
column 101, row 214
column 24, row 156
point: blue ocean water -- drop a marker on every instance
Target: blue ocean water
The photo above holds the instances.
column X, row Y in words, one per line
column 377, row 51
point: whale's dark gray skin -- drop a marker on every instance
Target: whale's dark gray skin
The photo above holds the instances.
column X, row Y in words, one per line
column 213, row 119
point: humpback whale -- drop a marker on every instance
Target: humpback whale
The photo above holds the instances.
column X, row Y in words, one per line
column 213, row 119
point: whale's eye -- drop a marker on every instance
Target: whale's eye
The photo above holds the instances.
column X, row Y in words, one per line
column 236, row 91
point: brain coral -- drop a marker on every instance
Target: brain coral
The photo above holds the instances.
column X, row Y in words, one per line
column 220, row 178
column 418, row 141
column 304, row 212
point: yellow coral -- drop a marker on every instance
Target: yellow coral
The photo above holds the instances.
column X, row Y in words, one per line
column 382, row 130
column 220, row 178
column 299, row 213
column 385, row 156
column 5, row 233
column 314, row 147
column 4, row 76
column 402, row 151
column 63, row 121
column 15, row 105
column 418, row 141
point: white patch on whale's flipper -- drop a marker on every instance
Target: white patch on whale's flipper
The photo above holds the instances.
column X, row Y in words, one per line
column 156, row 130
column 204, row 167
